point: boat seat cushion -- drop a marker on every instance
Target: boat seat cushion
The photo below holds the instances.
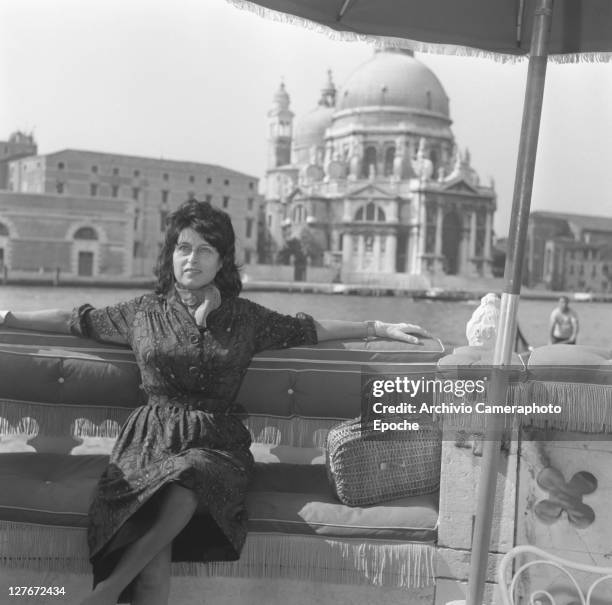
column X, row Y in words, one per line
column 578, row 380
column 78, row 376
column 63, row 399
column 290, row 497
column 575, row 379
column 571, row 363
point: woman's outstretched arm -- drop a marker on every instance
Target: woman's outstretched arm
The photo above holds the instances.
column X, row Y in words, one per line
column 331, row 329
column 47, row 320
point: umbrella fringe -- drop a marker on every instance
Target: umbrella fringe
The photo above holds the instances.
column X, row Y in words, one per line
column 344, row 36
column 600, row 57
column 414, row 45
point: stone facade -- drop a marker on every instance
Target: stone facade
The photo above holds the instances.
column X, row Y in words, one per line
column 577, row 266
column 153, row 187
column 374, row 183
column 46, row 233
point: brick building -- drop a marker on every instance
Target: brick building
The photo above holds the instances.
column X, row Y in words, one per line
column 153, row 188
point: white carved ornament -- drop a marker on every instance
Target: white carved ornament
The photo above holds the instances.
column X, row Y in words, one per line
column 481, row 329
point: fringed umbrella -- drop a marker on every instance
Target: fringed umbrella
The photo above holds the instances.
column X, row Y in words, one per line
column 579, row 29
column 504, row 29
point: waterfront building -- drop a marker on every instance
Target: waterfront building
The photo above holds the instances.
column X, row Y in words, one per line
column 569, row 251
column 52, row 235
column 371, row 180
column 577, row 266
column 154, row 187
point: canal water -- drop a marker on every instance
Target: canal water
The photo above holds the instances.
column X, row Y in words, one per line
column 446, row 320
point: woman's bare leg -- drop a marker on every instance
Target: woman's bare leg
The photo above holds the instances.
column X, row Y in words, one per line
column 152, row 584
column 176, row 508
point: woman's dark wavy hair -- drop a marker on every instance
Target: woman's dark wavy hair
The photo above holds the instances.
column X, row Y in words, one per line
column 215, row 226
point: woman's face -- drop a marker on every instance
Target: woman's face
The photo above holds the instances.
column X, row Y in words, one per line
column 194, row 260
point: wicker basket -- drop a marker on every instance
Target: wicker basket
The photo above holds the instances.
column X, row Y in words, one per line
column 366, row 467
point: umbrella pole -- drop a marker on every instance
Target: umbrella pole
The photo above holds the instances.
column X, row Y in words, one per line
column 502, row 356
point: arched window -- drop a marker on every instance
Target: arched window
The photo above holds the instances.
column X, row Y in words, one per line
column 433, row 156
column 389, row 158
column 372, row 213
column 4, row 230
column 369, row 159
column 86, row 233
column 547, row 261
column 284, row 128
column 298, row 214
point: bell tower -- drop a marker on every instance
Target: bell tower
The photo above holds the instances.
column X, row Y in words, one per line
column 280, row 130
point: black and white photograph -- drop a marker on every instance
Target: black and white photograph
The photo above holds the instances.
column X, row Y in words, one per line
column 305, row 301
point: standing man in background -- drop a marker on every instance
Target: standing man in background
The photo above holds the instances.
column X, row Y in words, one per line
column 563, row 324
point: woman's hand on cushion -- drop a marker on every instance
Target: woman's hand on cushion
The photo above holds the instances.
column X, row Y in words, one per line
column 331, row 329
column 400, row 331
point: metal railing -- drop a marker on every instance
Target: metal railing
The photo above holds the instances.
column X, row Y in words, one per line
column 508, row 584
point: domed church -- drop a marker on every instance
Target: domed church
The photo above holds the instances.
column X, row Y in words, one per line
column 372, row 180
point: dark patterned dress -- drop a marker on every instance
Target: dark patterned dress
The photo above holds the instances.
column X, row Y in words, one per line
column 190, row 431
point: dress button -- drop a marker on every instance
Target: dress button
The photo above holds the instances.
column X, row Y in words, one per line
column 195, row 339
column 60, row 380
column 193, row 370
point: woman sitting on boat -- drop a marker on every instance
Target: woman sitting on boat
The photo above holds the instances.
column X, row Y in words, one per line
column 186, row 451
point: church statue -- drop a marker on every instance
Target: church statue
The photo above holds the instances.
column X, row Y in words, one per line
column 312, row 155
column 355, row 160
column 423, row 166
column 398, row 160
column 329, row 149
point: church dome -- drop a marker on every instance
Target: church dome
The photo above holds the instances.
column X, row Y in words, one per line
column 393, row 77
column 310, row 128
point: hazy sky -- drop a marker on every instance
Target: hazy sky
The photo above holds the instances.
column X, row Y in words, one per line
column 194, row 79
